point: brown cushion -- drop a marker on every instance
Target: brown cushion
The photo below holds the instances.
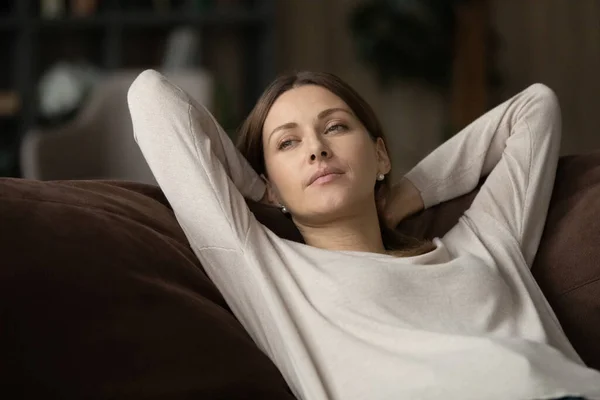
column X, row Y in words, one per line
column 101, row 297
column 567, row 266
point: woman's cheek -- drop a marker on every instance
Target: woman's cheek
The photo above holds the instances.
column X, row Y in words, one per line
column 284, row 178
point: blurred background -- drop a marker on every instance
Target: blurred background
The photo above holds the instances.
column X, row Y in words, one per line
column 428, row 68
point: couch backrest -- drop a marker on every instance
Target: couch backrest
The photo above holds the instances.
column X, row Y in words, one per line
column 101, row 298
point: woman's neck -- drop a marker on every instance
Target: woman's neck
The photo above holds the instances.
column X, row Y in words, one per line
column 360, row 232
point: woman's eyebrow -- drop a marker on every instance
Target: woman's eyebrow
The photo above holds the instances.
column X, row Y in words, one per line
column 289, row 125
column 329, row 111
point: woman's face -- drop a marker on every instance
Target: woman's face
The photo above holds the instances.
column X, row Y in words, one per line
column 310, row 130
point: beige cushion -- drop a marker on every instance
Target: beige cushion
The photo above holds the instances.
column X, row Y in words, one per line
column 98, row 143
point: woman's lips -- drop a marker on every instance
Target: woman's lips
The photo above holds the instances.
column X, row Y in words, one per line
column 326, row 178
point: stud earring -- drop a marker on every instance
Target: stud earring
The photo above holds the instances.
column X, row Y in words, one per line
column 380, row 177
column 284, row 210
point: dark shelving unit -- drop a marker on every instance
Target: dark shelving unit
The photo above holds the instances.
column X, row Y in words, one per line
column 129, row 35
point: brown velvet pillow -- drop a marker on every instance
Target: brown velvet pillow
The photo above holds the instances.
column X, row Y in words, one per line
column 567, row 266
column 101, row 298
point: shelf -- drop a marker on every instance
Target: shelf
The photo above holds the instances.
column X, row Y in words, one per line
column 208, row 18
column 229, row 17
column 237, row 37
column 73, row 22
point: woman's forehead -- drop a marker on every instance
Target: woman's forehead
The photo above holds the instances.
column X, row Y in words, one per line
column 303, row 102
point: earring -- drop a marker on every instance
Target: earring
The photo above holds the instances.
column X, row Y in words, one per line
column 284, row 210
column 380, row 177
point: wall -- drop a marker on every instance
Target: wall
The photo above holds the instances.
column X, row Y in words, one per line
column 556, row 42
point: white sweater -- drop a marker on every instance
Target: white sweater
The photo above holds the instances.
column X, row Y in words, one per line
column 465, row 321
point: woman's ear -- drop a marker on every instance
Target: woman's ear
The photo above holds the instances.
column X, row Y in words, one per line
column 271, row 197
column 383, row 159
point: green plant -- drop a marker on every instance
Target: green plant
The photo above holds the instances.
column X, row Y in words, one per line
column 411, row 39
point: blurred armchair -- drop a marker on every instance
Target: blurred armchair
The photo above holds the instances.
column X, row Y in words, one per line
column 98, row 143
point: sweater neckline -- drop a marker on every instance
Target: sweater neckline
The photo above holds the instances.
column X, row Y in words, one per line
column 439, row 246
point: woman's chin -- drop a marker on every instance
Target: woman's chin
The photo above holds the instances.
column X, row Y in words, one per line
column 332, row 204
column 329, row 207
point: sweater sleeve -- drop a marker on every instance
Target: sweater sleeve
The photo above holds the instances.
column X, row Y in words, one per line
column 202, row 174
column 517, row 143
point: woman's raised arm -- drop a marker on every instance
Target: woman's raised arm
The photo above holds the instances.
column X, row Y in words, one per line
column 202, row 174
column 517, row 143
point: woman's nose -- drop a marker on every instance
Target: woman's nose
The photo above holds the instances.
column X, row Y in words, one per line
column 323, row 154
column 320, row 150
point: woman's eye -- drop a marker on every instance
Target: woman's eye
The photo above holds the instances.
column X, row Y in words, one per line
column 336, row 128
column 285, row 144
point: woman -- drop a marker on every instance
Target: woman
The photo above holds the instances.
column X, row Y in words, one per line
column 356, row 313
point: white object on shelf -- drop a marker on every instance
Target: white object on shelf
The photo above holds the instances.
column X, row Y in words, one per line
column 52, row 8
column 63, row 87
column 182, row 49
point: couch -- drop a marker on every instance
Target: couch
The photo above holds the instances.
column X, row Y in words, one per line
column 101, row 296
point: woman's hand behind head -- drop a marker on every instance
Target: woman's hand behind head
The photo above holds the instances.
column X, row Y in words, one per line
column 402, row 200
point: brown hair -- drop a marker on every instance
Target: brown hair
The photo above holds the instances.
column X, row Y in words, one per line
column 251, row 146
